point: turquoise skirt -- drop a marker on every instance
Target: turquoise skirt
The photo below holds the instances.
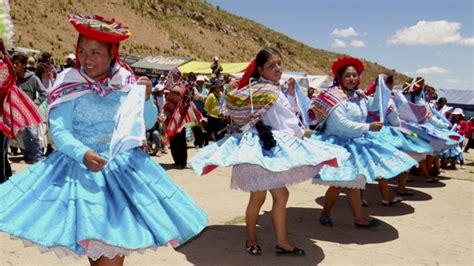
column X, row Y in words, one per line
column 132, row 204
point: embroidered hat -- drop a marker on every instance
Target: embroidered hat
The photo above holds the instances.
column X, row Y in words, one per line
column 99, row 29
column 346, row 60
column 413, row 85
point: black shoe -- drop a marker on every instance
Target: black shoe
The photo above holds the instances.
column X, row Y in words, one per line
column 283, row 252
column 371, row 224
column 253, row 250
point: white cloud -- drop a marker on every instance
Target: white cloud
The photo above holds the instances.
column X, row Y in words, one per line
column 344, row 32
column 429, row 33
column 357, row 43
column 338, row 43
column 431, row 70
column 467, row 41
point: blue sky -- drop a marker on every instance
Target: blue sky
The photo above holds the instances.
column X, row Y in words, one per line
column 431, row 38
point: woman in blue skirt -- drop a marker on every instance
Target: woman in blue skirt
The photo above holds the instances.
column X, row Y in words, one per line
column 87, row 198
column 341, row 114
column 270, row 150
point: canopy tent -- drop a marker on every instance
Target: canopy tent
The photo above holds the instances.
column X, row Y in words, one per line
column 459, row 98
column 200, row 67
column 155, row 65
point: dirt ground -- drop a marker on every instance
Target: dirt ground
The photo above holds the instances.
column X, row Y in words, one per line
column 432, row 227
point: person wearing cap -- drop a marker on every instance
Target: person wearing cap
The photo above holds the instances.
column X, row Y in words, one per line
column 341, row 114
column 211, row 106
column 200, row 96
column 216, row 67
column 269, row 150
column 70, row 61
column 99, row 195
column 155, row 133
column 452, row 155
column 34, row 88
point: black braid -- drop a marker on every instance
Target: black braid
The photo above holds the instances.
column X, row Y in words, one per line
column 265, row 134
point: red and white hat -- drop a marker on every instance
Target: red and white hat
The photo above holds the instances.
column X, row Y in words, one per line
column 99, row 29
column 346, row 60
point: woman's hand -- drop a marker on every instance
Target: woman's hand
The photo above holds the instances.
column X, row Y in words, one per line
column 93, row 161
column 375, row 126
column 144, row 80
column 307, row 132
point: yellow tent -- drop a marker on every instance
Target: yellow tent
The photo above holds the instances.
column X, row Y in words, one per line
column 200, row 67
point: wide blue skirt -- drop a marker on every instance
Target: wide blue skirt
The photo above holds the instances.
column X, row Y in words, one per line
column 403, row 141
column 370, row 159
column 291, row 161
column 439, row 138
column 132, row 204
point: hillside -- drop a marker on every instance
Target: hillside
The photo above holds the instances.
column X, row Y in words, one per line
column 169, row 27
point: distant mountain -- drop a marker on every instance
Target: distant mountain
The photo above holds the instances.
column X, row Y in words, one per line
column 170, row 27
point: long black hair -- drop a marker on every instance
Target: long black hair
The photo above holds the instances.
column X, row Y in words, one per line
column 261, row 59
column 264, row 131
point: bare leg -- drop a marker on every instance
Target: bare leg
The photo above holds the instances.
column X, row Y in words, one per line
column 330, row 199
column 353, row 198
column 402, row 181
column 436, row 164
column 384, row 191
column 425, row 165
column 280, row 198
column 116, row 261
column 256, row 201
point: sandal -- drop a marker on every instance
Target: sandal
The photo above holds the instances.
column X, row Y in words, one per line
column 364, row 203
column 253, row 250
column 372, row 223
column 394, row 201
column 325, row 221
column 283, row 252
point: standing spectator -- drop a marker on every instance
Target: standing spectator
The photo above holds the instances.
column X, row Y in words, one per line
column 31, row 64
column 214, row 120
column 179, row 109
column 44, row 74
column 162, row 80
column 70, row 61
column 216, row 67
column 200, row 95
column 33, row 87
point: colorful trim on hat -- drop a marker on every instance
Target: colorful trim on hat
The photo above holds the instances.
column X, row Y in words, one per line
column 97, row 28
